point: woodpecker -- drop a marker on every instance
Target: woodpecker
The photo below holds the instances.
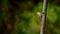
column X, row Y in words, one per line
column 39, row 15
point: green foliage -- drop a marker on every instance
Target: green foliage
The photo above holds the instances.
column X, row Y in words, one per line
column 27, row 24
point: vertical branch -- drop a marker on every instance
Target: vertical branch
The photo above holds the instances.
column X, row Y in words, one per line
column 43, row 16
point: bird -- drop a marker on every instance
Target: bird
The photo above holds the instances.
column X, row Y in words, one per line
column 39, row 14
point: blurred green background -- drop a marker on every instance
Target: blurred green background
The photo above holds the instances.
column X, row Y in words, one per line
column 20, row 17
